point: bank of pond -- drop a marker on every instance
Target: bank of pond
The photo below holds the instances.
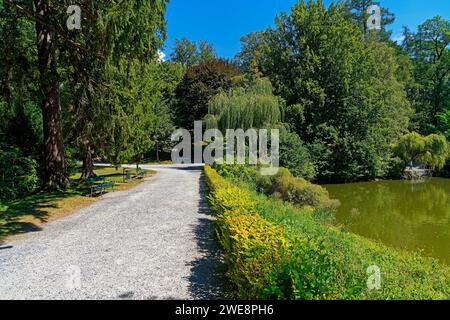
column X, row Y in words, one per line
column 285, row 238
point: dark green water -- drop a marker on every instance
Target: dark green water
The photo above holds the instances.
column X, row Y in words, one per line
column 403, row 214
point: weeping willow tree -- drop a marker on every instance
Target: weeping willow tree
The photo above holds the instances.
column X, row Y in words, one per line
column 256, row 107
column 432, row 151
column 437, row 151
column 252, row 107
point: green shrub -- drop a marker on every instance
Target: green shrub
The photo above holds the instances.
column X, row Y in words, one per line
column 282, row 185
column 396, row 168
column 266, row 183
column 18, row 174
column 236, row 171
column 301, row 193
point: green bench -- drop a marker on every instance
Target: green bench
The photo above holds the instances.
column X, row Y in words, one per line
column 140, row 173
column 99, row 185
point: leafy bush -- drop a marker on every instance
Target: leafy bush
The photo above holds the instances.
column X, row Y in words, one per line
column 236, row 171
column 18, row 174
column 396, row 168
column 282, row 185
column 275, row 251
column 266, row 184
column 301, row 193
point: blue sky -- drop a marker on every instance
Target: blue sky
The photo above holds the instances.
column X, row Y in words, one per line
column 223, row 22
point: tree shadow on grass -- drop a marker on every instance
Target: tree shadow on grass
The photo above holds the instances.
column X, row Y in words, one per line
column 15, row 218
column 35, row 207
column 207, row 274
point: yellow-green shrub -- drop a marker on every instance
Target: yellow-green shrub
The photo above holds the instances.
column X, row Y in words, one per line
column 266, row 183
column 252, row 245
column 302, row 193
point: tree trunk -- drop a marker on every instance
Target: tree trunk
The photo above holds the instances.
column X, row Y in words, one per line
column 436, row 102
column 88, row 165
column 157, row 151
column 55, row 168
column 138, row 161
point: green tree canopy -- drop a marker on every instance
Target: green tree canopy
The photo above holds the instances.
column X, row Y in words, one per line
column 73, row 67
column 436, row 151
column 113, row 34
column 256, row 107
column 184, row 52
column 429, row 48
column 444, row 123
column 358, row 11
column 345, row 99
column 199, row 84
column 190, row 53
column 410, row 147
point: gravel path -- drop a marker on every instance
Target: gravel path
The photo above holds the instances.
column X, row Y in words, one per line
column 151, row 242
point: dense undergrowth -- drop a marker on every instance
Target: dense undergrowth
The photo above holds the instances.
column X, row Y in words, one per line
column 275, row 250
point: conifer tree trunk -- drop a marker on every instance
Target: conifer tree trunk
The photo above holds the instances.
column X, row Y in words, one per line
column 55, row 169
column 157, row 151
column 88, row 165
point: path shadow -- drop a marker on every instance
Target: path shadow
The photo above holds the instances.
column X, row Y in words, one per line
column 193, row 167
column 207, row 273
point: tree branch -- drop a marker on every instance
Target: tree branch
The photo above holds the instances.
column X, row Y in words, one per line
column 36, row 17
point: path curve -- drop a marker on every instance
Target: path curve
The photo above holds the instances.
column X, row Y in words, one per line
column 150, row 242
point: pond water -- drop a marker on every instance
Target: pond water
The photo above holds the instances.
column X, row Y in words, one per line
column 403, row 214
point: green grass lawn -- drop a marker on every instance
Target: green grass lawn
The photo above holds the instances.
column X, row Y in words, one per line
column 29, row 213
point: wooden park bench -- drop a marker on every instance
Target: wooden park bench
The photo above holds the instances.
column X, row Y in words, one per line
column 99, row 185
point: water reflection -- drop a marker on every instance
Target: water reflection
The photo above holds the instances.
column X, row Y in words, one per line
column 409, row 215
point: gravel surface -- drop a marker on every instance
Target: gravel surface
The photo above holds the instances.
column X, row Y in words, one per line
column 151, row 242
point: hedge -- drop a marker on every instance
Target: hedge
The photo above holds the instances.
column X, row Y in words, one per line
column 251, row 244
column 275, row 251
